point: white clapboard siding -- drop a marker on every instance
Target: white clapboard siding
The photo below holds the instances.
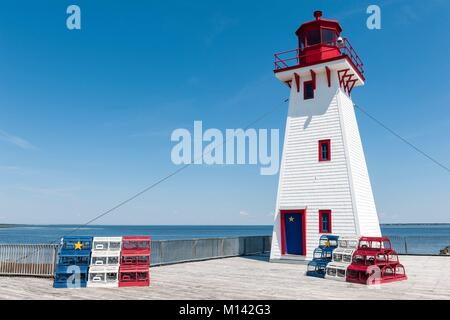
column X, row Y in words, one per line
column 363, row 196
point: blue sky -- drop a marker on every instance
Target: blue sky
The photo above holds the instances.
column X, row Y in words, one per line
column 86, row 116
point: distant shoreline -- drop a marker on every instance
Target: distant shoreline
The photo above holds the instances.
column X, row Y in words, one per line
column 10, row 225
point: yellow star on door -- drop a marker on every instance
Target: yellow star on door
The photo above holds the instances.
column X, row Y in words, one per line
column 291, row 219
column 78, row 245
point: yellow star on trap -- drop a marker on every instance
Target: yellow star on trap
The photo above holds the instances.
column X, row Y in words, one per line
column 78, row 245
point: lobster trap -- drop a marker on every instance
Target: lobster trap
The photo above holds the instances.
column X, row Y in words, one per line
column 336, row 271
column 103, row 276
column 317, row 267
column 73, row 262
column 328, row 241
column 342, row 258
column 71, row 277
column 105, row 244
column 135, row 262
column 73, row 244
column 134, row 277
column 322, row 255
column 139, row 245
column 348, row 242
column 105, row 258
column 375, row 262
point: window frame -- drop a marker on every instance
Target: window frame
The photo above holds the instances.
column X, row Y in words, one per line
column 308, row 33
column 322, row 213
column 328, row 143
column 310, row 82
column 322, row 29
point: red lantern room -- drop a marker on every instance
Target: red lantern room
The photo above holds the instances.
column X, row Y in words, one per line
column 318, row 39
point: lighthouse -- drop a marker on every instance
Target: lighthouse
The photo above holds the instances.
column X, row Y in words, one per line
column 324, row 186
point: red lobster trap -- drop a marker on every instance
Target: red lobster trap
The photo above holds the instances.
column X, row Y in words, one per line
column 134, row 268
column 134, row 277
column 375, row 262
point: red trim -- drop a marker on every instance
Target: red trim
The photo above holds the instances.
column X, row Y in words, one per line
column 328, row 142
column 313, row 79
column 328, row 76
column 286, row 67
column 349, row 89
column 297, row 81
column 349, row 79
column 283, row 235
column 311, row 82
column 341, row 77
column 330, row 227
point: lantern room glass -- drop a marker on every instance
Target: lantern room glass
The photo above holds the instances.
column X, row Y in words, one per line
column 313, row 37
column 328, row 36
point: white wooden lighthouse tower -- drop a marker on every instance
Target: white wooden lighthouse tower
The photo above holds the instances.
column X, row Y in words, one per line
column 324, row 185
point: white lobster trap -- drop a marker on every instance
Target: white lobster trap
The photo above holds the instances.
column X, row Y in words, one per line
column 105, row 258
column 342, row 258
column 347, row 245
column 336, row 271
column 348, row 242
column 103, row 276
column 341, row 255
column 103, row 244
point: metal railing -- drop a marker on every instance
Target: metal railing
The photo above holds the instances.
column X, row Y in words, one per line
column 292, row 58
column 40, row 260
column 28, row 259
column 419, row 245
column 175, row 251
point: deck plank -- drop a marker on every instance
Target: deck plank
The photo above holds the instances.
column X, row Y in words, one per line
column 248, row 278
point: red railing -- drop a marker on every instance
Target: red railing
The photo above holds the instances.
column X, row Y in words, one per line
column 292, row 58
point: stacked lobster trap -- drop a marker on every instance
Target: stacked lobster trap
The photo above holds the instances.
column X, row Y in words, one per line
column 322, row 256
column 105, row 262
column 375, row 261
column 364, row 260
column 73, row 261
column 135, row 262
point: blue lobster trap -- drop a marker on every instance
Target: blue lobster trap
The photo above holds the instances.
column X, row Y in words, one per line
column 73, row 259
column 317, row 268
column 73, row 262
column 72, row 276
column 323, row 253
column 76, row 245
column 328, row 241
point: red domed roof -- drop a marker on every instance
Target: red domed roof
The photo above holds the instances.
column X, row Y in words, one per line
column 319, row 22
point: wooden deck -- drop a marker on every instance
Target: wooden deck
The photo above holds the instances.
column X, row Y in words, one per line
column 248, row 278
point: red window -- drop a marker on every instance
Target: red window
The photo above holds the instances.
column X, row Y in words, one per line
column 308, row 90
column 324, row 150
column 325, row 221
